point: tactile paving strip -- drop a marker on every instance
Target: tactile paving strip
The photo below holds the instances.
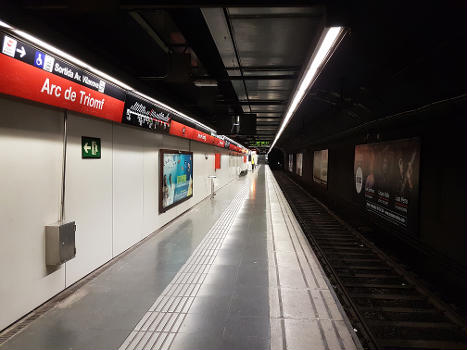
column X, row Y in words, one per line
column 160, row 324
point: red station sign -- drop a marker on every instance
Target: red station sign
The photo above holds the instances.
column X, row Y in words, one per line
column 23, row 80
column 32, row 74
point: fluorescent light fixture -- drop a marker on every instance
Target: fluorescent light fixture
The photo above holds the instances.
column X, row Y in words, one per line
column 205, row 82
column 99, row 73
column 329, row 39
column 4, row 25
column 71, row 58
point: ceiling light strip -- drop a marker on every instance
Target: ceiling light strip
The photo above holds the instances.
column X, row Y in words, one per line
column 330, row 38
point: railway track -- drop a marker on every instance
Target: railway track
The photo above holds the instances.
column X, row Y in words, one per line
column 388, row 307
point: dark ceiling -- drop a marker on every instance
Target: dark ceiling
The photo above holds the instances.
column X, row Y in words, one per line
column 398, row 57
column 244, row 57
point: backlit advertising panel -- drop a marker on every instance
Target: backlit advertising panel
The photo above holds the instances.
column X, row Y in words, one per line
column 320, row 167
column 290, row 162
column 176, row 178
column 386, row 180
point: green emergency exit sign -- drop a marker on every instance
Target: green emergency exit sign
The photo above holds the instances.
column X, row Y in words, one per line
column 90, row 147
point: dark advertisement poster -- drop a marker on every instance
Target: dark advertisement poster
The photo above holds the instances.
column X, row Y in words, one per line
column 386, row 180
column 299, row 164
column 290, row 162
column 320, row 167
column 144, row 114
column 176, row 174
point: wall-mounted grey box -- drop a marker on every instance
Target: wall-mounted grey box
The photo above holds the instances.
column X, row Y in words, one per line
column 60, row 242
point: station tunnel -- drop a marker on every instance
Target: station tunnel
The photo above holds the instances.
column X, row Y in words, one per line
column 232, row 175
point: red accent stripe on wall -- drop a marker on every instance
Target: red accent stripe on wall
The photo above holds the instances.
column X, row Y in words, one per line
column 181, row 130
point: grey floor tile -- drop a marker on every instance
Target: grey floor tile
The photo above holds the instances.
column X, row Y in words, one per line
column 296, row 304
column 229, row 257
column 212, row 306
column 212, row 325
column 198, row 341
column 253, row 277
column 251, row 301
column 238, row 326
column 222, row 275
column 303, row 335
column 246, row 343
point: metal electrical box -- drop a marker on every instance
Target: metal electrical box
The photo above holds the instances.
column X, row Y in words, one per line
column 60, row 242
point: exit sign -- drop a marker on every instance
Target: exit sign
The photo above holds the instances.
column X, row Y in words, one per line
column 90, row 147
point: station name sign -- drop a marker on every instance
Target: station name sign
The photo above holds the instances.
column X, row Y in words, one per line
column 35, row 74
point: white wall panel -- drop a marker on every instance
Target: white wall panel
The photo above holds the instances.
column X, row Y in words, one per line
column 202, row 168
column 88, row 198
column 30, row 187
column 128, row 168
column 152, row 143
column 229, row 168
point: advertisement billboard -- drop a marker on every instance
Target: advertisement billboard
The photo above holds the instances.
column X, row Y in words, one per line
column 176, row 178
column 290, row 162
column 386, row 180
column 299, row 164
column 320, row 167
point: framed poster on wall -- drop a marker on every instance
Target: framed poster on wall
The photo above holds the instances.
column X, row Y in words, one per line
column 290, row 162
column 320, row 167
column 299, row 164
column 176, row 178
column 386, row 180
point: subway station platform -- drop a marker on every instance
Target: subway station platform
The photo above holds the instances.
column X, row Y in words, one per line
column 234, row 272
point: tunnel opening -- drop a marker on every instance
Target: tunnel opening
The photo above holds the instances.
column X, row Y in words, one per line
column 276, row 159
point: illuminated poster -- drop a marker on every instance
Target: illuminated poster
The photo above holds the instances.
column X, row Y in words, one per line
column 386, row 180
column 176, row 178
column 320, row 167
column 290, row 162
column 299, row 162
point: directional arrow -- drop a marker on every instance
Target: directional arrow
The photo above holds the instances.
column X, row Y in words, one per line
column 22, row 52
column 86, row 147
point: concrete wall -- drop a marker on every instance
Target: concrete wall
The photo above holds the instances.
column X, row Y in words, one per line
column 441, row 214
column 114, row 200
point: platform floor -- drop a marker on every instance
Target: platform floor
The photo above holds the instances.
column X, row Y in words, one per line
column 236, row 272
